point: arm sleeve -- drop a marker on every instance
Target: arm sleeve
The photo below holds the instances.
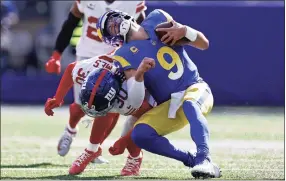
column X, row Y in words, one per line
column 66, row 32
column 66, row 83
column 136, row 92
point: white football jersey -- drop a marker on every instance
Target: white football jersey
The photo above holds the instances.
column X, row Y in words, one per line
column 90, row 44
column 83, row 68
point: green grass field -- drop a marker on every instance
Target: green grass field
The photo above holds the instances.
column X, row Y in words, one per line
column 247, row 143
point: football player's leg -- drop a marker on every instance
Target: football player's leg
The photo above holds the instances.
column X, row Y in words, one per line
column 101, row 128
column 71, row 129
column 198, row 102
column 135, row 157
column 106, row 123
column 195, row 98
column 152, row 126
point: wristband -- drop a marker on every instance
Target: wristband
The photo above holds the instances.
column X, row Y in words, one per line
column 191, row 34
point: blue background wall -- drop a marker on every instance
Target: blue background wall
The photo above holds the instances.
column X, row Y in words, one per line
column 244, row 64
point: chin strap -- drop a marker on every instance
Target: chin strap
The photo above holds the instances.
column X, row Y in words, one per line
column 124, row 28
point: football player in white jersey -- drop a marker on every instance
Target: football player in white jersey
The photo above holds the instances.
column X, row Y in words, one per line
column 89, row 46
column 75, row 75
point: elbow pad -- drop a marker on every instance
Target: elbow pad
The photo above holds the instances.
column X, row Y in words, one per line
column 136, row 92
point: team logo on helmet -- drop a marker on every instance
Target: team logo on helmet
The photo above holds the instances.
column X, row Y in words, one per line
column 98, row 92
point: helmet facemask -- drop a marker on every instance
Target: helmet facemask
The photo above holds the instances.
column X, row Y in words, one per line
column 117, row 26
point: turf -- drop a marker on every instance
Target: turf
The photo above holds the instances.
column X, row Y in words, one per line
column 247, row 143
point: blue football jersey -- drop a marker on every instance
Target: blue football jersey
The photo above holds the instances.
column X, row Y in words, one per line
column 174, row 70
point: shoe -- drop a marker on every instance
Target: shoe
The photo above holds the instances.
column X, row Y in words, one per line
column 100, row 160
column 66, row 141
column 206, row 169
column 83, row 160
column 132, row 166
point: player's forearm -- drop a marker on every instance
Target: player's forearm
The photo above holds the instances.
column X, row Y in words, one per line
column 66, row 83
column 196, row 38
column 66, row 32
column 136, row 92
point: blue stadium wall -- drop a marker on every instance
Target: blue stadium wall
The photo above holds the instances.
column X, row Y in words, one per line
column 244, row 64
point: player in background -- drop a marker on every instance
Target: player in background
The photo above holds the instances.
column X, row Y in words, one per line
column 75, row 75
column 9, row 17
column 182, row 96
column 88, row 46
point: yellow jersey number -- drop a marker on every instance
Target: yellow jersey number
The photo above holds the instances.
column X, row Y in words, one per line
column 176, row 61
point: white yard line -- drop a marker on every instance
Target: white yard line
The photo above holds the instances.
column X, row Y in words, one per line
column 143, row 169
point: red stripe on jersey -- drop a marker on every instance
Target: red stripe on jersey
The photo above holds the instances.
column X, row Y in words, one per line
column 107, row 58
column 101, row 76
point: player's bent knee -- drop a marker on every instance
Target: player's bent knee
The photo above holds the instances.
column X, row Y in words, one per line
column 143, row 135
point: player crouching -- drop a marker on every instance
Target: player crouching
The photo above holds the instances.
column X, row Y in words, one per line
column 110, row 94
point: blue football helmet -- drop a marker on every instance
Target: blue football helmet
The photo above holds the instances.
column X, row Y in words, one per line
column 113, row 27
column 99, row 92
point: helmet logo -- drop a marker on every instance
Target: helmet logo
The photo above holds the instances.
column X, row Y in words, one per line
column 111, row 94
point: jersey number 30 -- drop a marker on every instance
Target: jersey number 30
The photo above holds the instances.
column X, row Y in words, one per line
column 176, row 61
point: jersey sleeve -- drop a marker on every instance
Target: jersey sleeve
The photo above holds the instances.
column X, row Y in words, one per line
column 126, row 58
column 80, row 5
column 166, row 15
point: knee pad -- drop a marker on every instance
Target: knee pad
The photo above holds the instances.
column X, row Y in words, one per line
column 75, row 110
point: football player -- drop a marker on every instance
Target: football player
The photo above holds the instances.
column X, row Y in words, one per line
column 182, row 96
column 88, row 46
column 115, row 101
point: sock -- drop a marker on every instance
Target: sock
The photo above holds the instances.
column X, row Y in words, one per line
column 93, row 147
column 75, row 115
column 101, row 128
column 199, row 127
column 72, row 131
column 145, row 137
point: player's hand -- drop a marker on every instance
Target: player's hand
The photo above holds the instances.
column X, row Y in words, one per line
column 146, row 64
column 174, row 33
column 54, row 64
column 52, row 103
column 118, row 147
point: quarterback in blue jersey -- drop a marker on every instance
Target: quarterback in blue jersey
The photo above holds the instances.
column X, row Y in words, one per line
column 171, row 77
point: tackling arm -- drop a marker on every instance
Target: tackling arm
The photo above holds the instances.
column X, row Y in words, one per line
column 135, row 82
column 66, row 83
column 135, row 87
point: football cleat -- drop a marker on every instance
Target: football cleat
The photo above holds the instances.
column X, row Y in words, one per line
column 66, row 141
column 132, row 166
column 206, row 169
column 100, row 160
column 83, row 160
